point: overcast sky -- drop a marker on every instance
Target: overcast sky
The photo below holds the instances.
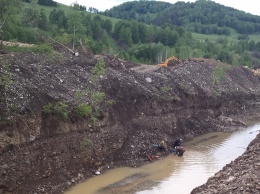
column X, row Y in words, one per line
column 249, row 6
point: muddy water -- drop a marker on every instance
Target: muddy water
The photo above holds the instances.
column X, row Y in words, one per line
column 204, row 156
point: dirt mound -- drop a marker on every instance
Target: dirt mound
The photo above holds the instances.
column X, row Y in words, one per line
column 47, row 135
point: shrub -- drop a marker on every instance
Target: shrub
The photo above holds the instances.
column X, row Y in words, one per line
column 98, row 70
column 219, row 73
column 98, row 97
column 48, row 109
column 61, row 109
column 165, row 89
column 164, row 93
column 84, row 110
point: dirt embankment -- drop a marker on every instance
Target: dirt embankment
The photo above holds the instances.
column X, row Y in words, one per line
column 46, row 147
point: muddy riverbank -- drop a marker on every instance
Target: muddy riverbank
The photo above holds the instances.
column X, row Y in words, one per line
column 64, row 118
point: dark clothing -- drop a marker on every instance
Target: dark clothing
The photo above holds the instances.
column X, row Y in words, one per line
column 177, row 143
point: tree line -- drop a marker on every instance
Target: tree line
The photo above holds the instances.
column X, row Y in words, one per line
column 129, row 39
column 202, row 16
column 47, row 3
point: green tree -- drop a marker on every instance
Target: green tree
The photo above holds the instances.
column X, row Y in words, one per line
column 143, row 33
column 9, row 17
column 96, row 30
column 53, row 16
column 76, row 6
column 47, row 3
column 87, row 22
column 246, row 59
column 108, row 25
column 62, row 19
column 185, row 52
column 223, row 56
column 125, row 38
column 236, row 59
column 135, row 32
column 42, row 23
column 252, row 45
column 30, row 17
column 117, row 28
column 75, row 23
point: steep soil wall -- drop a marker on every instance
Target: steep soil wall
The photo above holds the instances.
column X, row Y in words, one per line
column 44, row 152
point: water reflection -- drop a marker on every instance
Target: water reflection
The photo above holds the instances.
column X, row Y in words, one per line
column 204, row 159
column 204, row 156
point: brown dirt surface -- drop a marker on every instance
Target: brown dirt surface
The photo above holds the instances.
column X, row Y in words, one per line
column 45, row 151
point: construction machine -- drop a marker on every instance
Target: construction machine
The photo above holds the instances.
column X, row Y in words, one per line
column 165, row 63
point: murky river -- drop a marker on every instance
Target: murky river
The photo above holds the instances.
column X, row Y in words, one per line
column 204, row 156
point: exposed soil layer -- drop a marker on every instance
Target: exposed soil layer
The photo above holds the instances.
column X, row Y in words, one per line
column 47, row 146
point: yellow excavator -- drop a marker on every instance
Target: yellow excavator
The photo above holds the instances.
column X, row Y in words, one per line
column 165, row 63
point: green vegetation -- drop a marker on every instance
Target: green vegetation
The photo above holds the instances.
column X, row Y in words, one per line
column 98, row 70
column 150, row 36
column 202, row 16
column 88, row 102
column 83, row 110
column 219, row 73
column 47, row 109
column 92, row 108
column 50, row 53
column 111, row 102
column 164, row 93
column 98, row 97
column 165, row 89
column 60, row 108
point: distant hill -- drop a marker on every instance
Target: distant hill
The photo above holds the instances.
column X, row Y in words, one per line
column 137, row 10
column 203, row 16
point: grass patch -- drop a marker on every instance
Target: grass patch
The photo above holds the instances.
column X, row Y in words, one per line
column 255, row 37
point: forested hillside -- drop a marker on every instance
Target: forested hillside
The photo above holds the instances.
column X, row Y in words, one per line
column 45, row 23
column 203, row 16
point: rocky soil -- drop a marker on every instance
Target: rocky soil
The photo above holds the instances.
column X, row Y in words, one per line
column 46, row 146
